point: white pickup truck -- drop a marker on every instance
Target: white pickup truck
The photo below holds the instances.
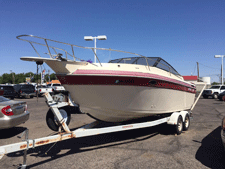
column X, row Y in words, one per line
column 213, row 91
column 56, row 87
column 42, row 89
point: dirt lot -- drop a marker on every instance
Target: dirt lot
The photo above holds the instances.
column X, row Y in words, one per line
column 155, row 147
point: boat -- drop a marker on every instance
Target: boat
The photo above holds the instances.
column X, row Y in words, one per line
column 120, row 90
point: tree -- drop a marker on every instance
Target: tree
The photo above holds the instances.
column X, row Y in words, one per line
column 6, row 78
column 37, row 78
column 20, row 78
column 29, row 74
column 53, row 77
column 215, row 83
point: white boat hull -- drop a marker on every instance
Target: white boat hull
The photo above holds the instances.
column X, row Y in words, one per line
column 120, row 92
column 121, row 103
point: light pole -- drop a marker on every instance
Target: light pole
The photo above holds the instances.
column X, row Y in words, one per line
column 91, row 38
column 12, row 77
column 220, row 56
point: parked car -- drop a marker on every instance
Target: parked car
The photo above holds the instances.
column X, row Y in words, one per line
column 56, row 87
column 25, row 90
column 223, row 132
column 221, row 96
column 214, row 91
column 1, row 92
column 9, row 91
column 42, row 89
column 12, row 113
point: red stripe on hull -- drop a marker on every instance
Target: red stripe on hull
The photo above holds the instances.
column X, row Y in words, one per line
column 129, row 74
column 121, row 80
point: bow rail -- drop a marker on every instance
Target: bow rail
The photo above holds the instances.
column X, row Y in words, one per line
column 168, row 67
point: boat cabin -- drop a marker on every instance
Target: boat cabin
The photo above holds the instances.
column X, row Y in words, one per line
column 148, row 61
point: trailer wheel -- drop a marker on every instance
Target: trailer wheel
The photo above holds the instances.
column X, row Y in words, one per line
column 179, row 125
column 186, row 122
column 52, row 121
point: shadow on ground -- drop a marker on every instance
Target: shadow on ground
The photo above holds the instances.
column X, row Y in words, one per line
column 7, row 133
column 78, row 145
column 211, row 153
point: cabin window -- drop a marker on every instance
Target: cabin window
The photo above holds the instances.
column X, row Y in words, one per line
column 151, row 61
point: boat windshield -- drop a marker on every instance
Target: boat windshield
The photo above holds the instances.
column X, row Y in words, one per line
column 148, row 61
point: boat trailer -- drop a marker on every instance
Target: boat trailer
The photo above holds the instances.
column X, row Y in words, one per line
column 179, row 119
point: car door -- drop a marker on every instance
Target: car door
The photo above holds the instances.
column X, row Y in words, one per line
column 222, row 89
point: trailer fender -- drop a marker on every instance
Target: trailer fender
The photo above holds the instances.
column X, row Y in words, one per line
column 174, row 116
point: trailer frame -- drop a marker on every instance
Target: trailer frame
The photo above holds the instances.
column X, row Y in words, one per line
column 56, row 102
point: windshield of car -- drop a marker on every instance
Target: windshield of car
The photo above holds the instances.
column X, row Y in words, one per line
column 3, row 99
column 56, row 84
column 42, row 86
column 148, row 61
column 215, row 87
column 27, row 86
column 7, row 87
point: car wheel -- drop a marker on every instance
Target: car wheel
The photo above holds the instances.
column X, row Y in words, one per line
column 179, row 125
column 51, row 120
column 215, row 95
column 186, row 122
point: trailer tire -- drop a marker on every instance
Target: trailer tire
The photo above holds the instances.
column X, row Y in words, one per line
column 51, row 119
column 179, row 125
column 186, row 122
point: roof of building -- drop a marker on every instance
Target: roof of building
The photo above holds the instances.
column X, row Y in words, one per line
column 54, row 81
column 190, row 77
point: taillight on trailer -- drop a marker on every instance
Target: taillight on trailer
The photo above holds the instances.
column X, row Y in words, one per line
column 223, row 124
column 7, row 110
column 40, row 90
column 21, row 91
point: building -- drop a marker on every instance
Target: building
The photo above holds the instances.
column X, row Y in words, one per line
column 54, row 81
column 199, row 83
column 192, row 79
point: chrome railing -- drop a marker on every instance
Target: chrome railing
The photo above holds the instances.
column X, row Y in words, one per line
column 22, row 37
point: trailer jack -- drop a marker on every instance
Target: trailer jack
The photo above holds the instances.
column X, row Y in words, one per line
column 24, row 165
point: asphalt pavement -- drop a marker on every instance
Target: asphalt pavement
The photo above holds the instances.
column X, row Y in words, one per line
column 153, row 147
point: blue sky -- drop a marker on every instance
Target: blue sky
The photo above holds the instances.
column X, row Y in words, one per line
column 181, row 32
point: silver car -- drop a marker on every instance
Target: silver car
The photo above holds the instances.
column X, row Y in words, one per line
column 12, row 113
column 223, row 132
